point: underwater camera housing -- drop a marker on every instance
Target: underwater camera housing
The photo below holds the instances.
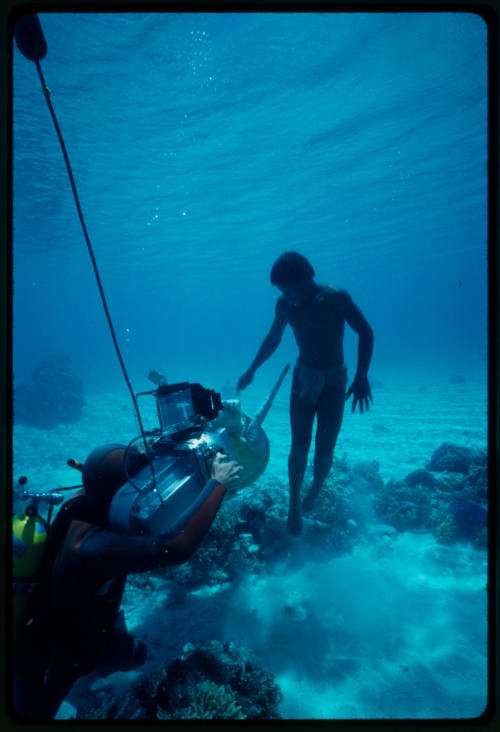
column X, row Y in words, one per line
column 179, row 405
column 162, row 500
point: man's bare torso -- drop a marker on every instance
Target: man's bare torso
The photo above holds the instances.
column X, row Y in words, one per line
column 318, row 326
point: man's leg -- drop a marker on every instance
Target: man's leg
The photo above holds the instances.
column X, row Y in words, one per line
column 329, row 414
column 301, row 421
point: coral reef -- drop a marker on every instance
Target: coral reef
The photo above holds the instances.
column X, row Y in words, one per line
column 263, row 514
column 469, row 517
column 206, row 700
column 255, row 688
column 421, row 477
column 403, row 506
column 250, row 530
column 453, row 505
column 264, row 509
column 444, row 528
column 354, row 505
column 329, row 526
column 227, row 553
column 210, row 681
column 477, row 482
column 53, row 395
column 455, row 458
column 219, row 681
column 367, row 470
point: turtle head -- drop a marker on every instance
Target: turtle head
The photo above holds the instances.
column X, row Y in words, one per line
column 230, row 418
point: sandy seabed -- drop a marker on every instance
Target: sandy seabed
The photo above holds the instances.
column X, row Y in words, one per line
column 395, row 629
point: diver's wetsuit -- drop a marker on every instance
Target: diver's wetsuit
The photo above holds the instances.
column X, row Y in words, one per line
column 87, row 568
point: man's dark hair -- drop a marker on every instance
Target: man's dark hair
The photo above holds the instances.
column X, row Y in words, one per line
column 291, row 267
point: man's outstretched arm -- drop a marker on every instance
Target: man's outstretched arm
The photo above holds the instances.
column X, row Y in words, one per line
column 269, row 345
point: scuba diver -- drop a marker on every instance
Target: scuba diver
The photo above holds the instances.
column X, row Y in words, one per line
column 317, row 315
column 77, row 626
column 138, row 511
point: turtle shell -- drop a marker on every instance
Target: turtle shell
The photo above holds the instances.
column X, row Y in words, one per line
column 252, row 452
column 249, row 444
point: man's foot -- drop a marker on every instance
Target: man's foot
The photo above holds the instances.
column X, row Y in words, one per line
column 310, row 499
column 294, row 522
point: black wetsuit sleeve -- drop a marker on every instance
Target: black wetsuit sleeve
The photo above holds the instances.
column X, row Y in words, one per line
column 110, row 552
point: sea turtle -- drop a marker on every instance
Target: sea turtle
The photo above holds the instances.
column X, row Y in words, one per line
column 249, row 442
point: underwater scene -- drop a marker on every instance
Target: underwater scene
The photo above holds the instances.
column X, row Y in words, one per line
column 182, row 575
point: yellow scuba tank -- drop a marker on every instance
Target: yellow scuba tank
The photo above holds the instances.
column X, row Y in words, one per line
column 29, row 535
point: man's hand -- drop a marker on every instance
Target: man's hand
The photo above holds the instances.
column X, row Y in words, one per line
column 225, row 472
column 245, row 380
column 360, row 388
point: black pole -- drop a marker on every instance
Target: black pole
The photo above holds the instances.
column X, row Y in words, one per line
column 29, row 37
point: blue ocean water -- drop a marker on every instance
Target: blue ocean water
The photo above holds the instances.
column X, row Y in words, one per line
column 203, row 146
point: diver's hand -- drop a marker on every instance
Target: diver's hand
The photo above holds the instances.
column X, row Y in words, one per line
column 245, row 380
column 225, row 472
column 360, row 388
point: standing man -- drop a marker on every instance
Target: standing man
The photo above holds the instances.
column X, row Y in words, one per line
column 317, row 314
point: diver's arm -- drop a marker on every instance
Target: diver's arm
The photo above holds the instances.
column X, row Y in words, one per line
column 101, row 551
column 269, row 344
